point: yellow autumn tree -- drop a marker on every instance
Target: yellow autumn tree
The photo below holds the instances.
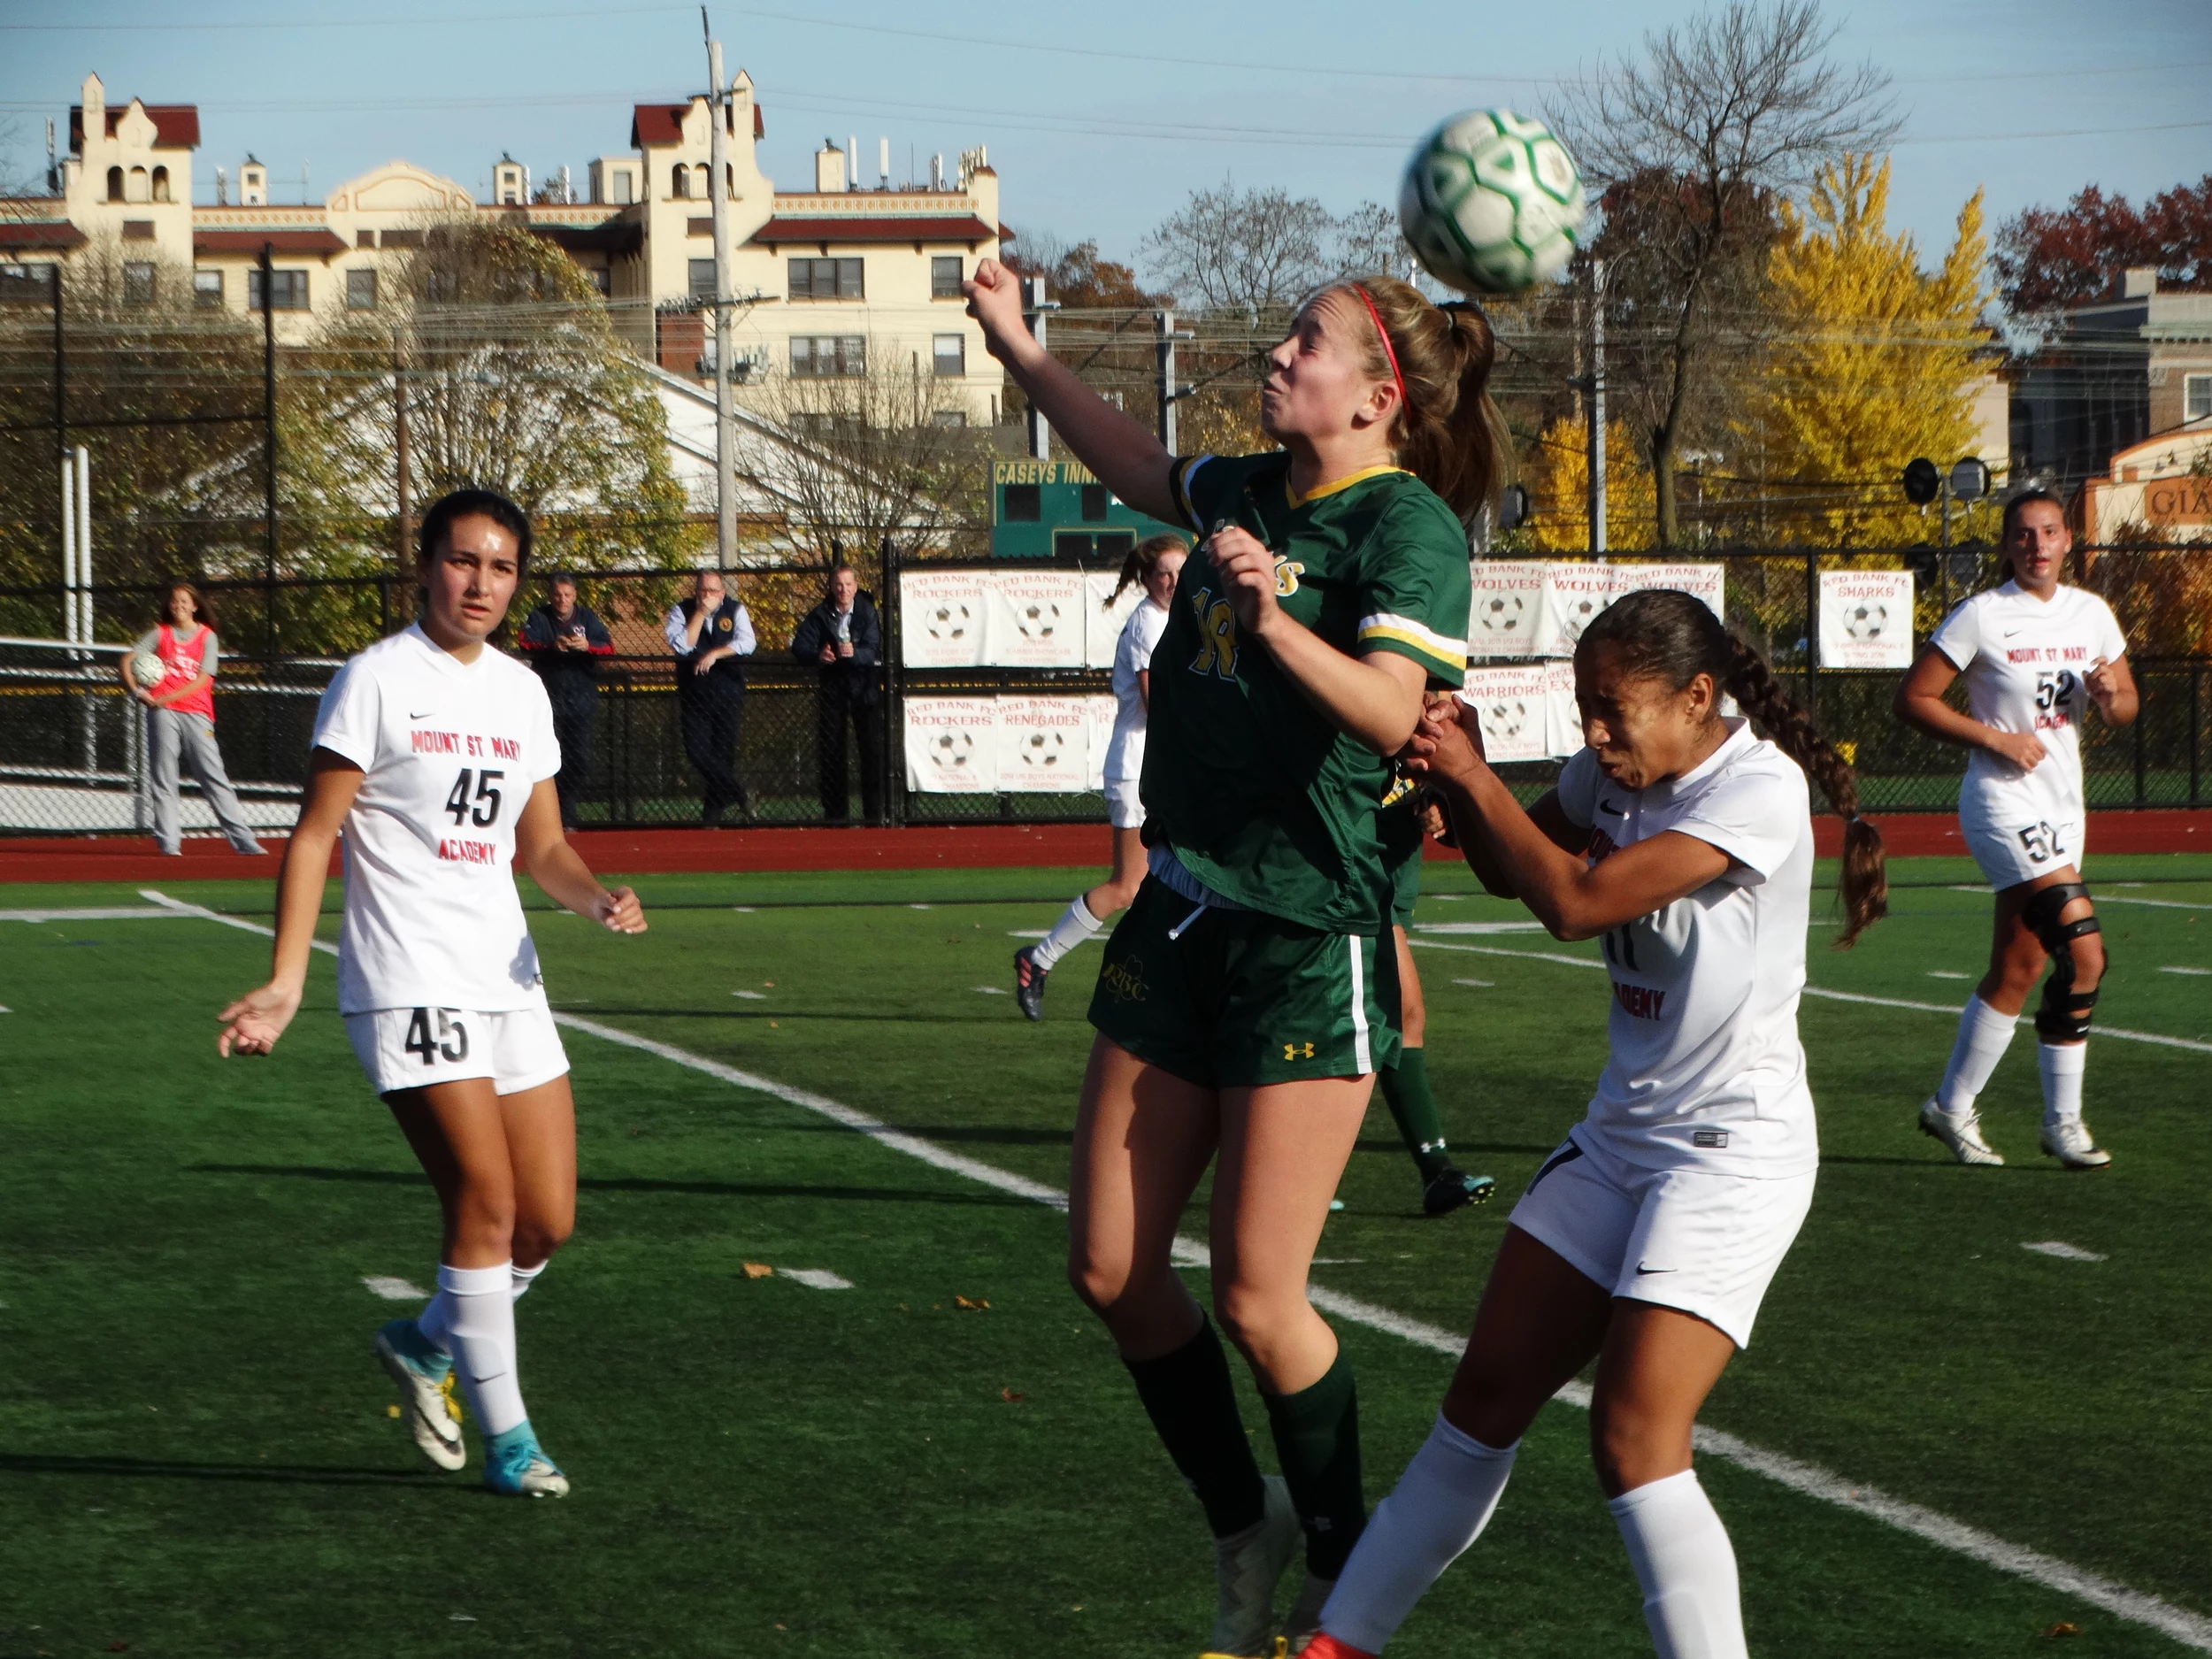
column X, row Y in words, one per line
column 1874, row 360
column 1558, row 477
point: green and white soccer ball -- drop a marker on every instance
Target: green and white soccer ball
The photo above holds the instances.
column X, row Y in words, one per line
column 148, row 669
column 1492, row 203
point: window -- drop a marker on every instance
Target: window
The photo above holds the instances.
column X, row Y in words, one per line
column 678, row 181
column 360, row 290
column 703, row 278
column 624, row 187
column 1108, row 546
column 26, row 282
column 827, row 280
column 1025, row 503
column 954, row 418
column 2196, row 397
column 602, row 279
column 161, row 184
column 944, row 276
column 115, row 184
column 287, row 294
column 207, row 290
column 948, row 353
column 1094, row 504
column 138, row 283
column 823, row 356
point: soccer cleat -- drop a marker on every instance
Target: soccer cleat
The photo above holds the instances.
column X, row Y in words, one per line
column 1029, row 983
column 1303, row 1626
column 515, row 1466
column 2068, row 1139
column 425, row 1376
column 1962, row 1135
column 1247, row 1567
column 1449, row 1189
column 1324, row 1646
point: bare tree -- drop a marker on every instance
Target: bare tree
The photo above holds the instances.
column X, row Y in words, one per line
column 1251, row 250
column 1368, row 239
column 1688, row 144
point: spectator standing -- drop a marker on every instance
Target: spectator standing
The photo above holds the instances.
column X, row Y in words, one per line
column 181, row 719
column 712, row 635
column 564, row 642
column 843, row 636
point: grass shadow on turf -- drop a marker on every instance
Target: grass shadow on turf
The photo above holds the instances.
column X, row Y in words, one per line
column 639, row 1184
column 282, row 1474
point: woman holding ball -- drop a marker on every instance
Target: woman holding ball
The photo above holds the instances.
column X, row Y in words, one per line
column 1248, row 994
column 435, row 756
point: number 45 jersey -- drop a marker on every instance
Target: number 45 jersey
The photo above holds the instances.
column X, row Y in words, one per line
column 449, row 751
column 2023, row 659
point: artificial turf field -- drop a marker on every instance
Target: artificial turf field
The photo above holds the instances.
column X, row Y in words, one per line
column 196, row 1456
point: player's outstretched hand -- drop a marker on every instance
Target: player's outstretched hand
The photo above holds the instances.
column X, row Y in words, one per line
column 2023, row 749
column 1448, row 740
column 619, row 912
column 1247, row 573
column 995, row 300
column 2101, row 685
column 253, row 1022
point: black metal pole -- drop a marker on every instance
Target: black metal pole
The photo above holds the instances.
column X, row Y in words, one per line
column 2196, row 728
column 1812, row 631
column 269, row 445
column 886, row 619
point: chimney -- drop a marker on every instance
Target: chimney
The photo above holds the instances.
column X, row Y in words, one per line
column 852, row 162
column 937, row 171
column 222, row 186
column 829, row 168
column 883, row 163
column 2139, row 282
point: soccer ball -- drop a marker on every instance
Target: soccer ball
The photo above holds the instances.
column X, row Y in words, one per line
column 1038, row 621
column 1492, row 203
column 1505, row 721
column 949, row 751
column 1577, row 617
column 1501, row 614
column 948, row 622
column 149, row 670
column 1866, row 621
column 1043, row 750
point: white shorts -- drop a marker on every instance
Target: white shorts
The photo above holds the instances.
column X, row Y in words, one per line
column 411, row 1048
column 1123, row 810
column 1704, row 1243
column 2011, row 847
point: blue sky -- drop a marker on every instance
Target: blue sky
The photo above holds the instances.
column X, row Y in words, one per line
column 1091, row 136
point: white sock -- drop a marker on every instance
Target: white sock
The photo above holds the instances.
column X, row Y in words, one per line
column 1683, row 1559
column 1438, row 1507
column 520, row 1278
column 1984, row 1036
column 2060, row 1065
column 475, row 1314
column 1076, row 925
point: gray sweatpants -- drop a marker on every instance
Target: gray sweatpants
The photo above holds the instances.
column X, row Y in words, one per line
column 191, row 739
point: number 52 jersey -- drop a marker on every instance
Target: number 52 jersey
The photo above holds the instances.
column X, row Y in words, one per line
column 449, row 751
column 2024, row 660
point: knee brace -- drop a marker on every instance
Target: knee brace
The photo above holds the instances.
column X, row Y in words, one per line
column 2064, row 1013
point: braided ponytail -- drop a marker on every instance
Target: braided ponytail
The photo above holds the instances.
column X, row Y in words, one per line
column 1143, row 559
column 1674, row 637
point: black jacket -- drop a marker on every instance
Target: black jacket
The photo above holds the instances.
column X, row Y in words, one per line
column 721, row 631
column 563, row 670
column 857, row 672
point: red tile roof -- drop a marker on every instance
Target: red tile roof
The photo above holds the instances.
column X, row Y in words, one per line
column 176, row 126
column 663, row 123
column 855, row 228
column 47, row 233
column 248, row 242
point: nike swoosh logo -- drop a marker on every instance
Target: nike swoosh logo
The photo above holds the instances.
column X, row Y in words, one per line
column 2008, row 633
column 421, row 714
column 1618, row 812
column 1641, row 1270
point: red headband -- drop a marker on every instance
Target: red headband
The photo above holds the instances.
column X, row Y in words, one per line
column 1368, row 302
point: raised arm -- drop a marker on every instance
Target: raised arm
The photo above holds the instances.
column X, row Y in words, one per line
column 252, row 1024
column 1127, row 459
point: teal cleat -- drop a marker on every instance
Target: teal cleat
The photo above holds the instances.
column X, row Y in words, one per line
column 515, row 1466
column 424, row 1375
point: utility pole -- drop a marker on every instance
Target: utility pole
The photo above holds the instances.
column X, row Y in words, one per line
column 403, row 493
column 718, row 197
column 1597, row 409
column 1171, row 392
column 268, row 449
column 1038, row 311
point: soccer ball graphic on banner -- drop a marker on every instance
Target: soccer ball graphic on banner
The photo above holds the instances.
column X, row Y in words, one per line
column 1038, row 620
column 1866, row 621
column 1492, row 203
column 952, row 751
column 1501, row 615
column 949, row 621
column 1043, row 750
column 1503, row 721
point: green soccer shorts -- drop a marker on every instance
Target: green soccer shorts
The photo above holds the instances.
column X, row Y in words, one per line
column 1236, row 998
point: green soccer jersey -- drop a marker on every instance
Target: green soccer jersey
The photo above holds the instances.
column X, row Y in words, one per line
column 1263, row 800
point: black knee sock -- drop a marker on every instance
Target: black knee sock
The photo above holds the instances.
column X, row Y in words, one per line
column 1316, row 1439
column 1412, row 1102
column 1192, row 1406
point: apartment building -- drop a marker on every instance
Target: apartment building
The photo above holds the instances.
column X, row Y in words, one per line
column 835, row 277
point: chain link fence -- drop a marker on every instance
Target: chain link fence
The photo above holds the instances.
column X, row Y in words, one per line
column 73, row 746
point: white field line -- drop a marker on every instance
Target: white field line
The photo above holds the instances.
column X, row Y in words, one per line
column 1948, row 1009
column 109, row 913
column 393, row 1289
column 815, row 1277
column 2063, row 1250
column 2190, row 1629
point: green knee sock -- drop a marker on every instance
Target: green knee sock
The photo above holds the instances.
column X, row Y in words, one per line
column 1316, row 1440
column 1412, row 1102
column 1192, row 1406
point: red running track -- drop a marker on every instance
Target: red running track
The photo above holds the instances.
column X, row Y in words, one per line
column 949, row 847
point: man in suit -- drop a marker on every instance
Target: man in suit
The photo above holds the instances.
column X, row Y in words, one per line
column 843, row 637
column 564, row 641
column 711, row 636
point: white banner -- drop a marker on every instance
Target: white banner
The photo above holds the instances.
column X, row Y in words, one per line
column 941, row 619
column 1101, row 712
column 1036, row 619
column 1562, row 714
column 1866, row 618
column 1102, row 624
column 1509, row 601
column 952, row 745
column 1044, row 745
column 1512, row 704
column 1573, row 594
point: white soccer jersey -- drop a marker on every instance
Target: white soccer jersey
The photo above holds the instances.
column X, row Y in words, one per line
column 1132, row 655
column 1706, row 1071
column 2022, row 659
column 451, row 751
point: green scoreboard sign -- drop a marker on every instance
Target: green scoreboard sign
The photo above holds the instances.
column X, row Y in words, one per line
column 1058, row 510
